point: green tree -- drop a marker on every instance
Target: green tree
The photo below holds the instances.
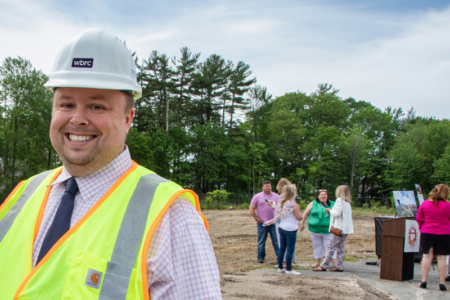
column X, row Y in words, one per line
column 184, row 75
column 209, row 145
column 239, row 84
column 356, row 147
column 210, row 83
column 158, row 79
column 407, row 167
column 441, row 168
column 26, row 113
column 259, row 97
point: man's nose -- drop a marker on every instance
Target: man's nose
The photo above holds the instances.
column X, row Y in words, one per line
column 79, row 118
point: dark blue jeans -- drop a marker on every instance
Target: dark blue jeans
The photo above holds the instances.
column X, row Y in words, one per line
column 287, row 244
column 263, row 231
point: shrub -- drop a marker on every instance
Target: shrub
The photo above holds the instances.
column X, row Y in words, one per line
column 208, row 203
column 386, row 210
column 374, row 204
column 217, row 196
column 302, row 203
column 244, row 206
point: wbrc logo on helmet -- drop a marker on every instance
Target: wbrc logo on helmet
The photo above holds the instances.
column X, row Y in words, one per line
column 82, row 62
column 93, row 278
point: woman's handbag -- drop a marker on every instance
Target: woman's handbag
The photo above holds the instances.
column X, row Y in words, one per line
column 336, row 231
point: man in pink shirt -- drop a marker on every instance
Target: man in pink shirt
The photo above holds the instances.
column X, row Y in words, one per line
column 264, row 212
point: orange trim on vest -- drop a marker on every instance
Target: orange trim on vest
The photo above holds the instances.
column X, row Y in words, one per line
column 11, row 194
column 43, row 204
column 74, row 228
column 151, row 231
column 197, row 206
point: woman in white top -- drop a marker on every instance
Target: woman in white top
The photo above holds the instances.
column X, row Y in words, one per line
column 288, row 212
column 341, row 218
column 281, row 184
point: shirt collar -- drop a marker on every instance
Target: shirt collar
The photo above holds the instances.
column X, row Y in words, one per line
column 109, row 173
column 271, row 194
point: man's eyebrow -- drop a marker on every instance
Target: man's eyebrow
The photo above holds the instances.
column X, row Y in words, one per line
column 98, row 97
column 64, row 97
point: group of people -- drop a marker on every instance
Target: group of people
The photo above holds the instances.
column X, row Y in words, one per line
column 279, row 216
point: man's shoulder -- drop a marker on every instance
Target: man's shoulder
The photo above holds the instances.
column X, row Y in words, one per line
column 256, row 198
column 45, row 174
column 259, row 195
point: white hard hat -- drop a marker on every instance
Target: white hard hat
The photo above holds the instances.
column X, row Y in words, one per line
column 95, row 59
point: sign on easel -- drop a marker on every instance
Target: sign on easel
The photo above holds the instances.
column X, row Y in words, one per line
column 405, row 203
column 412, row 236
column 419, row 193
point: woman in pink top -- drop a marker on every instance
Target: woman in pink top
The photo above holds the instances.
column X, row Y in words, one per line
column 433, row 217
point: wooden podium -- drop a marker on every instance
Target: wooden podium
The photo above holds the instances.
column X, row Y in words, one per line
column 395, row 263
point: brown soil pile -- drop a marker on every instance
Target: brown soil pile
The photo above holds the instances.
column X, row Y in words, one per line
column 234, row 237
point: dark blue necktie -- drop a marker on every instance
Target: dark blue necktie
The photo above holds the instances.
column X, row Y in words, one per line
column 61, row 222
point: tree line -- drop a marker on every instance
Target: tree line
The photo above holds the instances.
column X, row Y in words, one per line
column 207, row 125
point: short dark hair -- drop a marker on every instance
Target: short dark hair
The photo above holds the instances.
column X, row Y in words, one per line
column 129, row 104
column 328, row 197
column 266, row 182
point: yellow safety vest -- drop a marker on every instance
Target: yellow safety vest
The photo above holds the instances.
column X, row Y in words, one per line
column 103, row 256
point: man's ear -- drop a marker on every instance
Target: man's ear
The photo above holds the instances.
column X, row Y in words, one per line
column 129, row 119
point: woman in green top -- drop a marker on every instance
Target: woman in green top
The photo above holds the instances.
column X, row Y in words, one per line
column 318, row 225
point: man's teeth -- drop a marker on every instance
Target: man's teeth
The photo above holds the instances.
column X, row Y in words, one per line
column 80, row 138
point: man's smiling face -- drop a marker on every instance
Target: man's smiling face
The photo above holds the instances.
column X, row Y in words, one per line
column 88, row 127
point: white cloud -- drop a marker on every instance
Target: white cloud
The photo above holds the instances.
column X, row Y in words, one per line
column 409, row 70
column 409, row 67
column 386, row 58
column 29, row 30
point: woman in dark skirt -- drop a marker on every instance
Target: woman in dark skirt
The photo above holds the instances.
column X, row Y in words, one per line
column 433, row 217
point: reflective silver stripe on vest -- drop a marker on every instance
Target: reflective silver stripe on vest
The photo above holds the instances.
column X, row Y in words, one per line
column 128, row 242
column 8, row 220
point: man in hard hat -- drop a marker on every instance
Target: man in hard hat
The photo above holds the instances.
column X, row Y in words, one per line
column 101, row 226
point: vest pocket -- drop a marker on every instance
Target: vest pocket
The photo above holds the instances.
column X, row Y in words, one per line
column 115, row 284
column 85, row 276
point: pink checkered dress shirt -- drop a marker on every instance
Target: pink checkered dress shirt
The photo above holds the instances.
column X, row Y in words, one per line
column 180, row 262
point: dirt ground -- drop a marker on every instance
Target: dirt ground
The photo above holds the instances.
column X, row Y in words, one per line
column 234, row 237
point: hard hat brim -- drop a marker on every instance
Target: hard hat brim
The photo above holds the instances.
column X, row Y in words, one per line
column 92, row 81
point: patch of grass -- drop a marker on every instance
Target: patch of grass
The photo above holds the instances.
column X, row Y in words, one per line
column 363, row 212
column 351, row 259
column 374, row 211
column 250, row 268
column 244, row 206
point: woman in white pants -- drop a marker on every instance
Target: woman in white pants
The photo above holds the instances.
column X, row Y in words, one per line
column 318, row 225
column 341, row 218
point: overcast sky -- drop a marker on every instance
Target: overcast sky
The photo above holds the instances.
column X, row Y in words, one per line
column 388, row 52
